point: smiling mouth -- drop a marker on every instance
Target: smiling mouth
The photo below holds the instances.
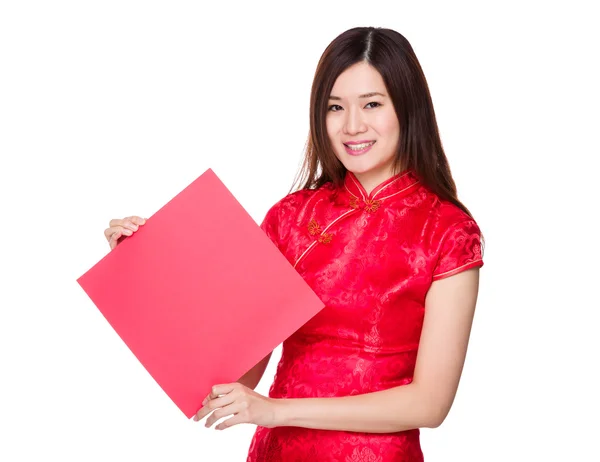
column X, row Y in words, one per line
column 359, row 147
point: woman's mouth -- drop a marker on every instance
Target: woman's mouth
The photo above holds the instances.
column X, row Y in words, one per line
column 357, row 149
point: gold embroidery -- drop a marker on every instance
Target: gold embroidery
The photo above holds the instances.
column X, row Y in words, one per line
column 313, row 227
column 372, row 205
column 325, row 238
column 354, row 202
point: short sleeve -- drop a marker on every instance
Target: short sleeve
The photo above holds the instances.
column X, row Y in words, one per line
column 460, row 250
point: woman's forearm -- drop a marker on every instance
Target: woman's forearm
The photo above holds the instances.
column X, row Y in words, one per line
column 397, row 409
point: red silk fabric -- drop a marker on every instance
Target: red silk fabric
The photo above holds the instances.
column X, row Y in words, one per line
column 371, row 258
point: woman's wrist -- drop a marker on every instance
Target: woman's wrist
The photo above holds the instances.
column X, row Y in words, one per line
column 280, row 411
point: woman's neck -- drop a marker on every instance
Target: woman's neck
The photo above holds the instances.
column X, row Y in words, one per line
column 370, row 180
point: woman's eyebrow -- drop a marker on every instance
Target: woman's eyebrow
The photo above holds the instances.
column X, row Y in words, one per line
column 366, row 95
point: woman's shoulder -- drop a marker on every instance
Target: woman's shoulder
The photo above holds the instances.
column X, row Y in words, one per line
column 302, row 196
column 446, row 214
column 280, row 215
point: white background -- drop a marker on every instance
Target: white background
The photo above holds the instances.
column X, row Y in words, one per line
column 110, row 108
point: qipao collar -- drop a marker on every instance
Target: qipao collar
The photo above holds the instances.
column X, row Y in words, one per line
column 397, row 186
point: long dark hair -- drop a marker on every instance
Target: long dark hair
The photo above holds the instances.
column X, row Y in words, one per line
column 420, row 147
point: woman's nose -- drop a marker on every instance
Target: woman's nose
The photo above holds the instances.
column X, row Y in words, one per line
column 354, row 122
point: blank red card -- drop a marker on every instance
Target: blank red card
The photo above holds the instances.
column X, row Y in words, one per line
column 199, row 293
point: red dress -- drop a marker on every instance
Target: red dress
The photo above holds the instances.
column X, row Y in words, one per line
column 371, row 259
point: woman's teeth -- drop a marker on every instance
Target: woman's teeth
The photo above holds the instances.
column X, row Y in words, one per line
column 358, row 147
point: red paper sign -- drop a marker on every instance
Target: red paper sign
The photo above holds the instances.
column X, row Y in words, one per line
column 199, row 293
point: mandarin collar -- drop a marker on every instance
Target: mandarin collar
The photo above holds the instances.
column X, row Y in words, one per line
column 395, row 186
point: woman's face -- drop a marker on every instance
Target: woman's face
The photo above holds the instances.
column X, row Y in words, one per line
column 362, row 124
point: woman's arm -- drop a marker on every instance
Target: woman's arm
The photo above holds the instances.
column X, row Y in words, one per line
column 449, row 311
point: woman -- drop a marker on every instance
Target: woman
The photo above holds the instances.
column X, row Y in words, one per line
column 378, row 233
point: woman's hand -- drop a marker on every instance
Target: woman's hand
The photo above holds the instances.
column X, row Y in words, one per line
column 244, row 404
column 121, row 228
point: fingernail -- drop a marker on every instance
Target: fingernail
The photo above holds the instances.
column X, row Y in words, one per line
column 128, row 232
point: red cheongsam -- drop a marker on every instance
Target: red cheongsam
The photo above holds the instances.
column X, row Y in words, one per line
column 371, row 259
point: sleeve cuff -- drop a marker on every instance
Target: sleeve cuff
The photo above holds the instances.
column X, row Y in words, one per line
column 452, row 272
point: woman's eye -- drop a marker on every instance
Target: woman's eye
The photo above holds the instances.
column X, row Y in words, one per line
column 337, row 107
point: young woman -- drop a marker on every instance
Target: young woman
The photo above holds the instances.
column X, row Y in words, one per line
column 378, row 232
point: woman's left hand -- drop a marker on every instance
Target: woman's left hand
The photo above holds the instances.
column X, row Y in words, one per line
column 244, row 404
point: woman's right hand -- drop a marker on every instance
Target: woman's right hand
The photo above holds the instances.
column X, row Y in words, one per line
column 121, row 228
